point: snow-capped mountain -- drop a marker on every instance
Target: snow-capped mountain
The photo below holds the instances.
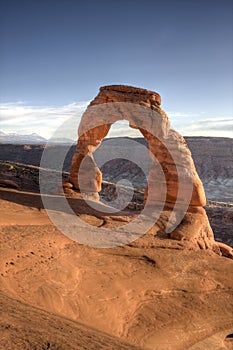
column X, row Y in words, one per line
column 19, row 139
column 34, row 138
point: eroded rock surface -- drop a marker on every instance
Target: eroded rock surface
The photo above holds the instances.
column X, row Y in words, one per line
column 178, row 185
column 166, row 145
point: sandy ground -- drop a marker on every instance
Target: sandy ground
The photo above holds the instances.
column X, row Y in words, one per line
column 26, row 327
column 160, row 298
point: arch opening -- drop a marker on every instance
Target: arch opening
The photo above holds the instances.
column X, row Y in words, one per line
column 124, row 161
column 143, row 113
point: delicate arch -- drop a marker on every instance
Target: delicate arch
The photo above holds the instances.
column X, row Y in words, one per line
column 184, row 217
column 142, row 109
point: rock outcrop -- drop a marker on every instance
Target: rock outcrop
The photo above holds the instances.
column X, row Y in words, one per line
column 173, row 179
column 166, row 145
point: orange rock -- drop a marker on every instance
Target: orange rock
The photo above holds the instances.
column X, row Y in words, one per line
column 180, row 184
column 225, row 250
column 167, row 146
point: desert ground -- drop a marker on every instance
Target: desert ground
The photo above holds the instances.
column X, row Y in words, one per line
column 59, row 294
column 153, row 293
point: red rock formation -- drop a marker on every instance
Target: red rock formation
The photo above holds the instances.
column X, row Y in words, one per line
column 181, row 182
column 163, row 143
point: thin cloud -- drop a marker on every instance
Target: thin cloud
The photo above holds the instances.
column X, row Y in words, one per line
column 201, row 124
column 180, row 114
column 209, row 127
column 23, row 119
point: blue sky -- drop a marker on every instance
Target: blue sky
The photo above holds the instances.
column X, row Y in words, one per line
column 55, row 54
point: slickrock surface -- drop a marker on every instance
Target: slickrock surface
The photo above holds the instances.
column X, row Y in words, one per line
column 24, row 327
column 160, row 296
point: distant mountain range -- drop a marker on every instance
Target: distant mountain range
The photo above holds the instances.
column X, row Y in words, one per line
column 14, row 138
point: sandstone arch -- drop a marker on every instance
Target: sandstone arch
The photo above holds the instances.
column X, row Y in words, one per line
column 142, row 109
column 134, row 104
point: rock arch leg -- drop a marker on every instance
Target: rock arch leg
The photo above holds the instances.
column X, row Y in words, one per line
column 84, row 172
column 171, row 154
